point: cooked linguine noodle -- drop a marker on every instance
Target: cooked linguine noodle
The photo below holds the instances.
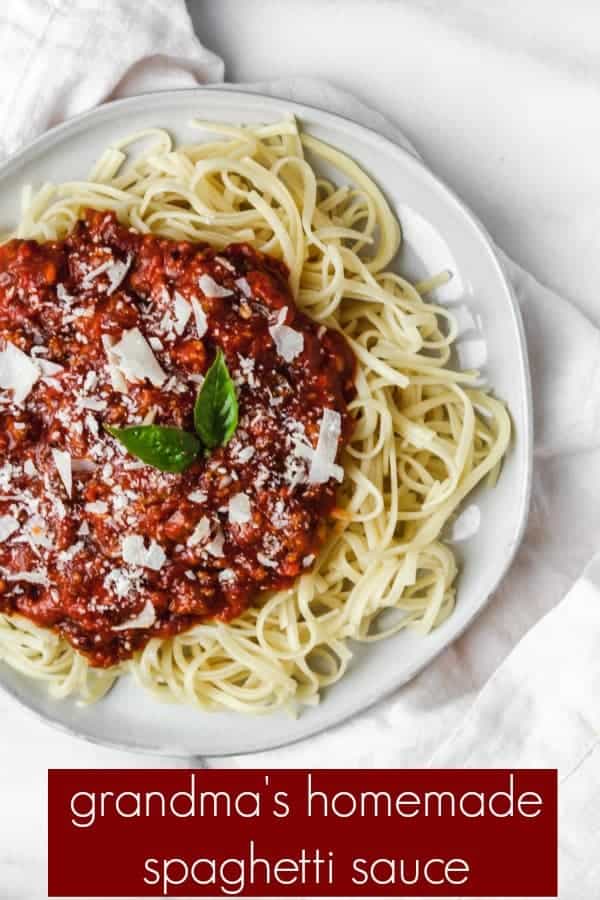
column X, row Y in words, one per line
column 425, row 434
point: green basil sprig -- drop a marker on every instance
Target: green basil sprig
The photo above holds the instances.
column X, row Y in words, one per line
column 171, row 449
column 165, row 447
column 216, row 411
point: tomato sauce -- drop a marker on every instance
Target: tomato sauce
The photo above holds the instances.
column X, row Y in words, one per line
column 62, row 562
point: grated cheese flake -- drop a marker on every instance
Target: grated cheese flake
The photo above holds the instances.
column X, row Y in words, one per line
column 96, row 506
column 136, row 359
column 210, row 288
column 91, row 276
column 116, row 378
column 8, row 526
column 215, row 547
column 183, row 311
column 200, row 317
column 200, row 532
column 244, row 287
column 145, row 619
column 96, row 404
column 134, row 552
column 225, row 263
column 239, row 510
column 226, row 576
column 116, row 273
column 62, row 461
column 266, row 561
column 245, row 454
column 38, row 577
column 48, row 367
column 288, row 342
column 18, row 372
column 322, row 465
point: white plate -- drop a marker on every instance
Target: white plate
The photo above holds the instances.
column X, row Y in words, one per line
column 439, row 233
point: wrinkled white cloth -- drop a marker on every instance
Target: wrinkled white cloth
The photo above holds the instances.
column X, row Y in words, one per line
column 60, row 57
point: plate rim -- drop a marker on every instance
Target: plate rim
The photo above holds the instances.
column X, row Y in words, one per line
column 106, row 111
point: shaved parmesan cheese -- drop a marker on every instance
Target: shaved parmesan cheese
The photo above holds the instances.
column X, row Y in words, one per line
column 116, row 273
column 53, row 382
column 122, row 582
column 62, row 461
column 289, row 343
column 134, row 552
column 466, row 524
column 239, row 509
column 97, row 506
column 18, row 372
column 97, row 404
column 472, row 354
column 155, row 557
column 136, row 359
column 84, row 529
column 30, row 577
column 266, row 561
column 308, row 560
column 29, row 468
column 215, row 548
column 145, row 619
column 62, row 293
column 200, row 316
column 183, row 311
column 226, row 575
column 91, row 424
column 82, row 465
column 116, row 378
column 48, row 367
column 244, row 287
column 322, row 466
column 35, row 534
column 91, row 276
column 155, row 343
column 8, row 526
column 246, row 454
column 200, row 532
column 225, row 263
column 71, row 552
column 90, row 381
column 197, row 497
column 150, row 416
column 210, row 288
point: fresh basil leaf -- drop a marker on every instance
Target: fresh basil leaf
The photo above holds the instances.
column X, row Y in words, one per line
column 216, row 409
column 164, row 447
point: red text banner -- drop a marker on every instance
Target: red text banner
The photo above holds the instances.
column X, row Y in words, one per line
column 300, row 833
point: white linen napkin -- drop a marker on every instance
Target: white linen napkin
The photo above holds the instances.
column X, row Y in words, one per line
column 60, row 57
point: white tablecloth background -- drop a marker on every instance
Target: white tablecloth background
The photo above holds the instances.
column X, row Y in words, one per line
column 500, row 100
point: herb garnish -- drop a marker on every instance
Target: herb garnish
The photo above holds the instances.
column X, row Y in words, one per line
column 216, row 409
column 172, row 449
column 164, row 447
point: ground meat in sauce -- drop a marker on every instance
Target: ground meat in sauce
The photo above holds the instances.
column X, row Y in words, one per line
column 61, row 563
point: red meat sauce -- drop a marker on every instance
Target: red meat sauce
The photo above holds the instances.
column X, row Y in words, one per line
column 64, row 303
